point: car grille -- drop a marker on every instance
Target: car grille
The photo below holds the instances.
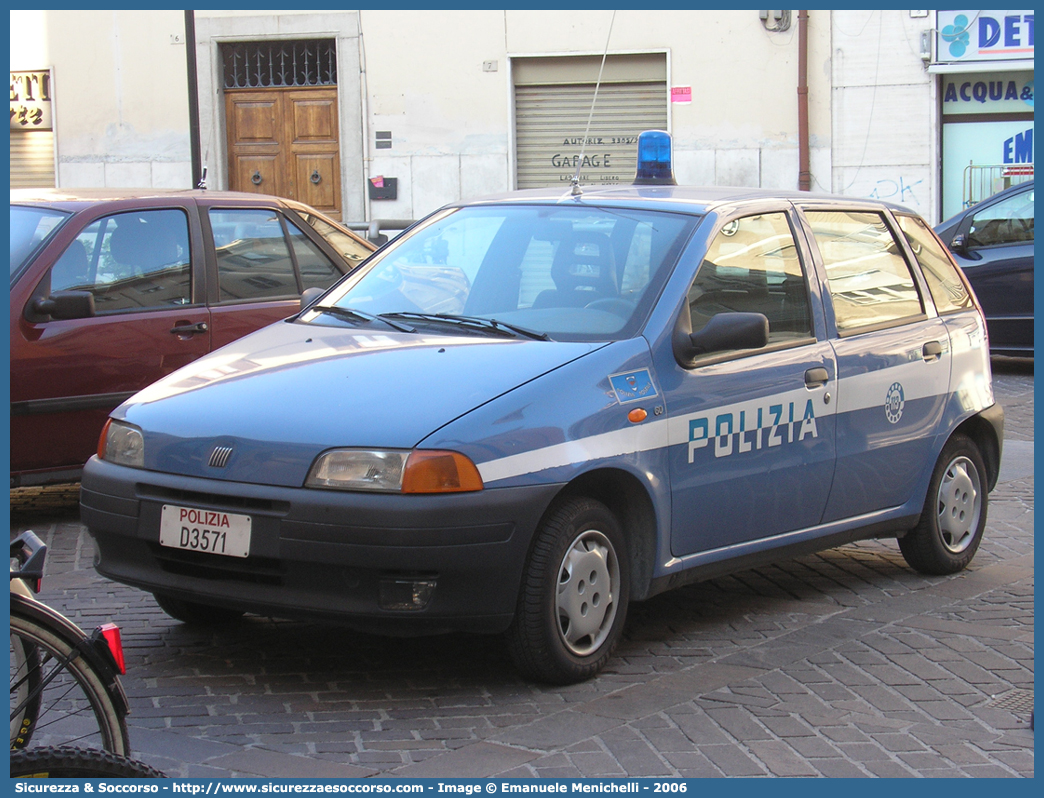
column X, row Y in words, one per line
column 214, row 500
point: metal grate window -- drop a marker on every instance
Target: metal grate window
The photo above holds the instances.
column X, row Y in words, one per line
column 269, row 64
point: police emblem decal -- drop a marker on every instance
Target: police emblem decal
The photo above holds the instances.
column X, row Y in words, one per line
column 895, row 400
column 632, row 386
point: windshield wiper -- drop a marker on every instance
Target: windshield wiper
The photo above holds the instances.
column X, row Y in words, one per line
column 351, row 314
column 475, row 323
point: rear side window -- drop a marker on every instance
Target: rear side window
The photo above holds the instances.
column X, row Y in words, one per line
column 869, row 280
column 945, row 284
column 349, row 249
column 129, row 261
column 317, row 271
column 253, row 258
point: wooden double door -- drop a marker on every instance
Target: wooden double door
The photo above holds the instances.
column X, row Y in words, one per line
column 285, row 142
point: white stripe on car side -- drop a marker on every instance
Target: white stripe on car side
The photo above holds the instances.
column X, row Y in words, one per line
column 638, row 438
column 920, row 380
column 859, row 392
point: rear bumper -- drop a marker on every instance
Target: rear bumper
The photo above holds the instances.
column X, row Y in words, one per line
column 322, row 554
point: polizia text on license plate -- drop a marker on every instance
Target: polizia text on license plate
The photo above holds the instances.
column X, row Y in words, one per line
column 210, row 531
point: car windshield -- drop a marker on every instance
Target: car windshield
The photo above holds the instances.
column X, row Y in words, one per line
column 569, row 273
column 30, row 228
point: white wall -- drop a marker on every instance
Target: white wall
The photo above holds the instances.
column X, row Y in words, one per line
column 121, row 103
column 884, row 111
column 451, row 121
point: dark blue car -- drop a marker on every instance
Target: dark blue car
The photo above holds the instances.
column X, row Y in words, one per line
column 993, row 243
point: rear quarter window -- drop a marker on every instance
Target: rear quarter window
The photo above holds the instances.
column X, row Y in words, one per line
column 945, row 284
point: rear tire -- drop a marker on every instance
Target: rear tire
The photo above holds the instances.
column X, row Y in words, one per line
column 954, row 516
column 573, row 601
column 191, row 612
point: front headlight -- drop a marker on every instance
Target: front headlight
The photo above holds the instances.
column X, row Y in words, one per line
column 122, row 444
column 394, row 471
column 358, row 469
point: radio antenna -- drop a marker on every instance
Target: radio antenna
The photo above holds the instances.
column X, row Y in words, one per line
column 583, row 143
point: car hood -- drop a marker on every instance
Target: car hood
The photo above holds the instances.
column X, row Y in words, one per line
column 284, row 394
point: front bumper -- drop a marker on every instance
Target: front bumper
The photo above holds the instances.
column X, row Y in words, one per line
column 322, row 554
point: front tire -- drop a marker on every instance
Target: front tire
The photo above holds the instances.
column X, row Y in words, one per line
column 573, row 602
column 954, row 516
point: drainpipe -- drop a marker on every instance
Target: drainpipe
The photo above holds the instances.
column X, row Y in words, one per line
column 193, row 97
column 364, row 89
column 804, row 173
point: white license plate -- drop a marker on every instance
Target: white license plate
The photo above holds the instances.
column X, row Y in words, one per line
column 210, row 531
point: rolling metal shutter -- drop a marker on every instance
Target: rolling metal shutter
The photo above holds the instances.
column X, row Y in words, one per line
column 32, row 159
column 552, row 104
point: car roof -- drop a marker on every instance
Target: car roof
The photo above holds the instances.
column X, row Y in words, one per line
column 71, row 197
column 686, row 199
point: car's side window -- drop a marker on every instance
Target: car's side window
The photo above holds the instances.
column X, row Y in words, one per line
column 946, row 286
column 869, row 280
column 351, row 250
column 1007, row 222
column 752, row 266
column 317, row 270
column 253, row 258
column 129, row 261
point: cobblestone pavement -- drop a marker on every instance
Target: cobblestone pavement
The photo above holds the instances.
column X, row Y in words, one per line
column 844, row 663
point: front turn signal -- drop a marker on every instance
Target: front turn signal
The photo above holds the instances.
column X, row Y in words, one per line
column 440, row 472
column 102, row 438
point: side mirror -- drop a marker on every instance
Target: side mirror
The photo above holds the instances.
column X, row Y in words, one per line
column 310, row 295
column 65, row 305
column 723, row 333
column 960, row 244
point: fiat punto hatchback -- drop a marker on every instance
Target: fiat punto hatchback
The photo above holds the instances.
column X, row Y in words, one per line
column 531, row 410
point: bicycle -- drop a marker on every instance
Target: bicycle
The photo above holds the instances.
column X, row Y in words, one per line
column 64, row 762
column 65, row 685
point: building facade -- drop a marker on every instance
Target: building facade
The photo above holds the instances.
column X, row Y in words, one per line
column 374, row 114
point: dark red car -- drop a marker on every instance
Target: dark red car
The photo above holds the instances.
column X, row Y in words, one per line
column 113, row 289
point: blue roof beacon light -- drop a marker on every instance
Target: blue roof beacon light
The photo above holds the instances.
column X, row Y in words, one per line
column 654, row 159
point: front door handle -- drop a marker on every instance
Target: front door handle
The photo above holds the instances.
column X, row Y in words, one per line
column 189, row 329
column 816, row 378
column 931, row 351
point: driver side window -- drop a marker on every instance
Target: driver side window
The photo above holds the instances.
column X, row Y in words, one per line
column 129, row 261
column 1007, row 222
column 752, row 266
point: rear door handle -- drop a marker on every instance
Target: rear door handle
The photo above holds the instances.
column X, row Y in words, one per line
column 816, row 378
column 931, row 351
column 189, row 329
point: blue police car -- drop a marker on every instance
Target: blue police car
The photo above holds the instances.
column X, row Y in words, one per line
column 531, row 410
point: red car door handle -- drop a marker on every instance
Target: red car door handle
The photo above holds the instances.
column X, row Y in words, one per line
column 189, row 329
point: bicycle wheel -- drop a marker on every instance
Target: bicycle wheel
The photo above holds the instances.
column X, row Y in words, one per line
column 66, row 762
column 25, row 691
column 60, row 693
